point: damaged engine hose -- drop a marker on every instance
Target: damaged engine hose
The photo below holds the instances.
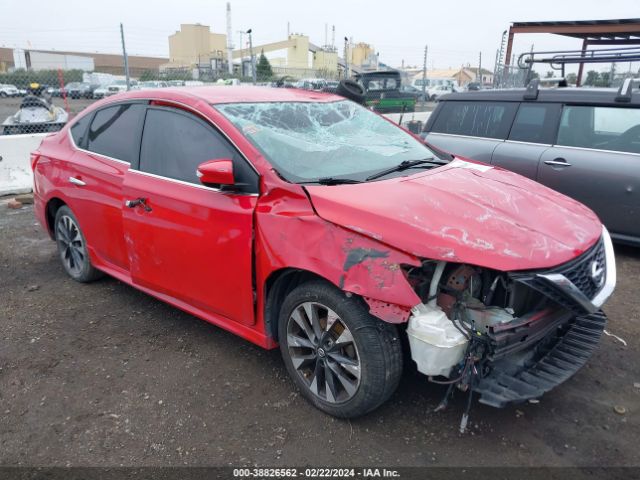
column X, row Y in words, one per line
column 455, row 380
column 435, row 281
column 459, row 324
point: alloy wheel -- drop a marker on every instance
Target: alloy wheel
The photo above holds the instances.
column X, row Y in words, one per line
column 72, row 250
column 323, row 352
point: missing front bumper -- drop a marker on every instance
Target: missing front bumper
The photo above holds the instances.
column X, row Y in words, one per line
column 503, row 386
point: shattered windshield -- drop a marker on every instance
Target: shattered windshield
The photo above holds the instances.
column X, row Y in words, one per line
column 306, row 141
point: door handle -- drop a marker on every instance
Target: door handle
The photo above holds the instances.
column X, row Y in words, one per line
column 138, row 201
column 558, row 162
column 77, row 181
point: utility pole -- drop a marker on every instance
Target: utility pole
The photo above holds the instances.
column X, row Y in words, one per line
column 612, row 73
column 495, row 69
column 499, row 79
column 333, row 41
column 424, row 74
column 480, row 69
column 126, row 59
column 229, row 41
column 241, row 32
column 346, row 57
column 253, row 58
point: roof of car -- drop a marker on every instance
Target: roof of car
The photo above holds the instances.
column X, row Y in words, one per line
column 242, row 94
column 561, row 94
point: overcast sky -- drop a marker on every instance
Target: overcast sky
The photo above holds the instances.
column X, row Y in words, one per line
column 455, row 30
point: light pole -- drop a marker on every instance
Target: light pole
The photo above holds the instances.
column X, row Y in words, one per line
column 253, row 59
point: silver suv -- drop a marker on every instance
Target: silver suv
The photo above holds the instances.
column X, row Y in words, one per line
column 582, row 142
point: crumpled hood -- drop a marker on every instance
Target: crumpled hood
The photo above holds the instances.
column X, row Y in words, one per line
column 465, row 212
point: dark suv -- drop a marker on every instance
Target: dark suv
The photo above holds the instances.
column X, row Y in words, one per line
column 583, row 142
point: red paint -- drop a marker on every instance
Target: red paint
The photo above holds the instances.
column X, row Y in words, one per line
column 218, row 171
column 212, row 253
column 494, row 219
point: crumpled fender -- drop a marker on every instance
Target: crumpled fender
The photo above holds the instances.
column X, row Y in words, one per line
column 289, row 234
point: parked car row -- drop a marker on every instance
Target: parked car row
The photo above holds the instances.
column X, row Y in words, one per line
column 11, row 91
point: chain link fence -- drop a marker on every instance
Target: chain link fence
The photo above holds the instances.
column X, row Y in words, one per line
column 510, row 76
column 40, row 91
column 40, row 100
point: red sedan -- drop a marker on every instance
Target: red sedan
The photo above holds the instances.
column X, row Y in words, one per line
column 305, row 220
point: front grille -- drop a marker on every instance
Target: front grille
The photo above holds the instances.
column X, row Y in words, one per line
column 578, row 271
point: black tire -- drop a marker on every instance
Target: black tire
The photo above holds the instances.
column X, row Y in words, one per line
column 3, row 95
column 352, row 90
column 375, row 346
column 72, row 247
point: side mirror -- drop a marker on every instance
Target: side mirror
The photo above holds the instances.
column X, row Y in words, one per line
column 217, row 172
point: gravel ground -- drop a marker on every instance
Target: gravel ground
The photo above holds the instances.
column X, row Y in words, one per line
column 104, row 375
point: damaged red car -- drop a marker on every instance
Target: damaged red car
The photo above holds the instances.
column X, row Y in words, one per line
column 304, row 220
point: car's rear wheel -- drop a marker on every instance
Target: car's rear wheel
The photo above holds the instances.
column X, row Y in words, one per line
column 72, row 247
column 345, row 361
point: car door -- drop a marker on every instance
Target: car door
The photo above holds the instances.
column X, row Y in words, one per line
column 102, row 157
column 187, row 241
column 471, row 129
column 595, row 162
column 532, row 133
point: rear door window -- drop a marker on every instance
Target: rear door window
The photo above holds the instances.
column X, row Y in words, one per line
column 115, row 131
column 603, row 128
column 174, row 143
column 476, row 119
column 535, row 123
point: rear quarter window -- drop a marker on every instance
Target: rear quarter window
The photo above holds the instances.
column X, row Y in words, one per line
column 475, row 118
column 79, row 129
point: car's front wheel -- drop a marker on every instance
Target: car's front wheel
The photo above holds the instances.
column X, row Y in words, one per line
column 72, row 247
column 345, row 361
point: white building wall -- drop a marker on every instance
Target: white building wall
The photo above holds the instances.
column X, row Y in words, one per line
column 52, row 61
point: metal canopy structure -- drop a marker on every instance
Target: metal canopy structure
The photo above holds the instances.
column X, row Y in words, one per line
column 625, row 31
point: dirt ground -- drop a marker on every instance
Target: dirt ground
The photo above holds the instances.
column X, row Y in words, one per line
column 103, row 375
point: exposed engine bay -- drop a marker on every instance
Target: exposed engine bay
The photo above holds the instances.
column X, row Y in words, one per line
column 498, row 334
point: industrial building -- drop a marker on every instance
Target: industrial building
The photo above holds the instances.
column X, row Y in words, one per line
column 194, row 47
column 11, row 58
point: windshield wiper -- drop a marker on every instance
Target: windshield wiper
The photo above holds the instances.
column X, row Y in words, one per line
column 406, row 164
column 333, row 181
